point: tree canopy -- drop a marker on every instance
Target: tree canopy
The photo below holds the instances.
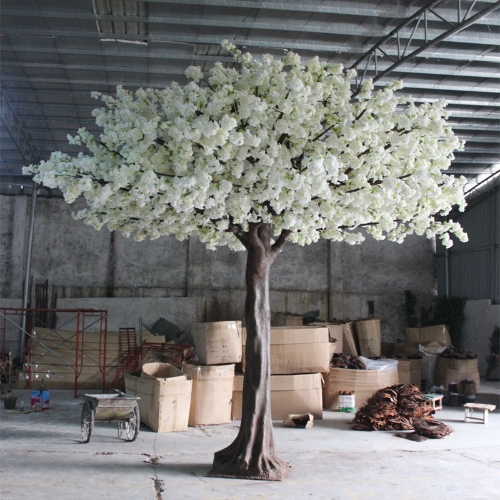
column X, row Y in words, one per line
column 273, row 140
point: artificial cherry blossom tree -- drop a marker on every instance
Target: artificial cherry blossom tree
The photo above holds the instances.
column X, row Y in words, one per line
column 251, row 157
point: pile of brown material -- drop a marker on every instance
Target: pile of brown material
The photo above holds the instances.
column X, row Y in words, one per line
column 455, row 353
column 347, row 361
column 406, row 357
column 398, row 407
column 431, row 428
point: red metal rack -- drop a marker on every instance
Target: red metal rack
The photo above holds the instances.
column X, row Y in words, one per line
column 84, row 319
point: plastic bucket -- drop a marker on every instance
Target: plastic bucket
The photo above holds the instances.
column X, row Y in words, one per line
column 10, row 403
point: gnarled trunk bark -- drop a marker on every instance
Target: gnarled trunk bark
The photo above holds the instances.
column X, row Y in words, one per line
column 252, row 454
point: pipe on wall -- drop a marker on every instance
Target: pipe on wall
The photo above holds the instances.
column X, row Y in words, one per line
column 28, row 269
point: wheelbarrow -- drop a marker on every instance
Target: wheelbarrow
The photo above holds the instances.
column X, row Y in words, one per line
column 119, row 407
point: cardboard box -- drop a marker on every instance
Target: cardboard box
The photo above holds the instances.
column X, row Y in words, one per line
column 364, row 383
column 212, row 393
column 424, row 336
column 416, row 372
column 302, row 349
column 349, row 340
column 281, row 319
column 165, row 394
column 455, row 370
column 335, row 333
column 369, row 337
column 289, row 394
column 410, row 371
column 332, row 347
column 404, row 371
column 218, row 343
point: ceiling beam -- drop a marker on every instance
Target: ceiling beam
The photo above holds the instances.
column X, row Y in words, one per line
column 353, row 9
column 484, row 38
column 421, row 69
column 15, row 130
column 455, row 105
column 448, row 16
column 167, row 53
column 430, row 40
column 477, row 89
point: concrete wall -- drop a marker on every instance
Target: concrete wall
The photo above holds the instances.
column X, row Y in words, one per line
column 82, row 263
column 481, row 317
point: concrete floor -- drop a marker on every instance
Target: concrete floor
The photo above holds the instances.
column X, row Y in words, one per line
column 42, row 458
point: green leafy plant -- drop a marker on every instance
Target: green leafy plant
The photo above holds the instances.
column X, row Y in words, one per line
column 448, row 311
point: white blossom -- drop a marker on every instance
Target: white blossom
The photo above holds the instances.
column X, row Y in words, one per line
column 277, row 140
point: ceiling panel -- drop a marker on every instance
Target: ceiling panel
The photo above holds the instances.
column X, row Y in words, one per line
column 55, row 53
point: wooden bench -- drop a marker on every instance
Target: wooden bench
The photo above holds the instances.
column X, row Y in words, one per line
column 435, row 400
column 470, row 407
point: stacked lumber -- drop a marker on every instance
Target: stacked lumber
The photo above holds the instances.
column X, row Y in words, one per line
column 54, row 353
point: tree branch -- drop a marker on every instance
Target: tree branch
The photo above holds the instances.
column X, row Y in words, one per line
column 377, row 183
column 208, row 85
column 239, row 233
column 110, row 150
column 280, row 242
column 282, row 138
column 399, row 221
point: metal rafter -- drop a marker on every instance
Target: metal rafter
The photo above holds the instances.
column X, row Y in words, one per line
column 138, row 81
column 395, row 36
column 297, row 28
column 56, row 54
column 420, row 69
column 15, row 130
column 167, row 53
column 241, row 8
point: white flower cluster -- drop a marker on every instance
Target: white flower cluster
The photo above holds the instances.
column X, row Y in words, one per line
column 277, row 141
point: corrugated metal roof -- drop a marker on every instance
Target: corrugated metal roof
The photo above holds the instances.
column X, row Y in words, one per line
column 55, row 53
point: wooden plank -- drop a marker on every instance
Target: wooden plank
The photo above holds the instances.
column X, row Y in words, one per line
column 49, row 358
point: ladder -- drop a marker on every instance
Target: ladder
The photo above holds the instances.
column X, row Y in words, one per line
column 127, row 342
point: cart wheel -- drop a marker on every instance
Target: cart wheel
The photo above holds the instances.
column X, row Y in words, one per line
column 87, row 421
column 131, row 427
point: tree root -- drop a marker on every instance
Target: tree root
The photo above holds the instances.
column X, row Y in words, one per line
column 271, row 469
column 268, row 468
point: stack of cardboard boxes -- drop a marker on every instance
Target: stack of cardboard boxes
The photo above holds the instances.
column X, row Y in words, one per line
column 419, row 371
column 360, row 338
column 200, row 393
column 218, row 347
column 298, row 356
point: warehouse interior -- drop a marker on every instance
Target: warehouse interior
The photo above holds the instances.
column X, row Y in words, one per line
column 63, row 278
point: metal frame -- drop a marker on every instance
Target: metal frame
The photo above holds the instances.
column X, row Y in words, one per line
column 397, row 35
column 82, row 317
column 15, row 130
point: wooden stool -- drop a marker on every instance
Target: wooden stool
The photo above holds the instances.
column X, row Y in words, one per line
column 470, row 407
column 435, row 400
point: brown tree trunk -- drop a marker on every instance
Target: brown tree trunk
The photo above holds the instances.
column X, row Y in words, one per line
column 252, row 454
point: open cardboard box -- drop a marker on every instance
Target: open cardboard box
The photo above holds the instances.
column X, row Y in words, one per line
column 165, row 394
column 364, row 383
